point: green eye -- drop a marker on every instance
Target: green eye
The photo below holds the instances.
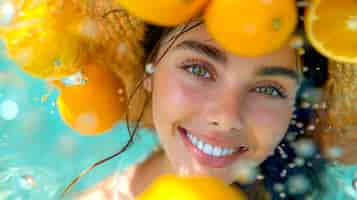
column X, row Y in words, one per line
column 198, row 70
column 270, row 90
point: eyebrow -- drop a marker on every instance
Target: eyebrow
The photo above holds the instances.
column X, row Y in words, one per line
column 220, row 57
column 204, row 49
column 279, row 71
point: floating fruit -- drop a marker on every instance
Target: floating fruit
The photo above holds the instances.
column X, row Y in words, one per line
column 251, row 28
column 164, row 12
column 37, row 42
column 91, row 102
column 331, row 27
column 172, row 187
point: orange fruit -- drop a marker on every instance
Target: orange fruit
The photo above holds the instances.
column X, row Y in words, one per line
column 35, row 39
column 172, row 187
column 164, row 12
column 251, row 28
column 331, row 27
column 95, row 106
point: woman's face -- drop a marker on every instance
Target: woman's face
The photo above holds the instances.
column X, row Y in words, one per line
column 214, row 110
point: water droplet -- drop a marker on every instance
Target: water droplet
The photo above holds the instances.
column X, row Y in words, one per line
column 303, row 4
column 120, row 91
column 316, row 106
column 260, row 177
column 279, row 187
column 298, row 184
column 7, row 12
column 87, row 122
column 304, row 147
column 283, row 173
column 299, row 125
column 27, row 182
column 352, row 23
column 122, row 48
column 246, row 172
column 301, row 51
column 89, row 28
column 74, row 80
column 282, row 195
column 323, row 105
column 305, row 104
column 299, row 161
column 335, row 152
column 9, row 109
column 297, row 42
column 311, row 127
column 354, row 184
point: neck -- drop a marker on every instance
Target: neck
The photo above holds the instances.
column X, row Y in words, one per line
column 148, row 171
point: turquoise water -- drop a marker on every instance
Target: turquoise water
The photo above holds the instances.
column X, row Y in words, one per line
column 39, row 154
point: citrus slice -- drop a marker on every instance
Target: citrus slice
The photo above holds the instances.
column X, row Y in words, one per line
column 251, row 28
column 164, row 12
column 331, row 27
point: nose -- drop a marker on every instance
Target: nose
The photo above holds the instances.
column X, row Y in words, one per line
column 225, row 112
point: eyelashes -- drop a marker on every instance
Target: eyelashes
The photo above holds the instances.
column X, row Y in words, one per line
column 201, row 70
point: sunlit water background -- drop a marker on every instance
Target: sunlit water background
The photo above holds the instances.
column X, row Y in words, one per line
column 39, row 154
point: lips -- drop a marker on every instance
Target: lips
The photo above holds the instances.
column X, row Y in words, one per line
column 209, row 160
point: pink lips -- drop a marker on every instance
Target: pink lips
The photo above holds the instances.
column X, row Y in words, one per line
column 212, row 161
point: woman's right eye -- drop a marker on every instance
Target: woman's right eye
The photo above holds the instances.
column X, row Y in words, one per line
column 199, row 71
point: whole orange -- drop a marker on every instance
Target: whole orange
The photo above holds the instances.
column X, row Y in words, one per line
column 251, row 28
column 164, row 12
column 95, row 106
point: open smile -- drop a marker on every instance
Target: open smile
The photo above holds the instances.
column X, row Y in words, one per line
column 209, row 154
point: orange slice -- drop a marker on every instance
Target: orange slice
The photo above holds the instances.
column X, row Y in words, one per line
column 331, row 27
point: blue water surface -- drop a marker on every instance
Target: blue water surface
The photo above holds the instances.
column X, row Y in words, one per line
column 39, row 153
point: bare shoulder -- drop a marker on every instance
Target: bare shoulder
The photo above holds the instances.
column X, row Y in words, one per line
column 127, row 185
column 115, row 187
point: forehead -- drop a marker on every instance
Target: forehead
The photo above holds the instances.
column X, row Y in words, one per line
column 196, row 31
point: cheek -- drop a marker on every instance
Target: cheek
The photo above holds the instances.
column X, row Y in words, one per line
column 174, row 98
column 273, row 121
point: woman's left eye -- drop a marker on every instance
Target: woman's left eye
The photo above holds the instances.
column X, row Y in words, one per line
column 271, row 91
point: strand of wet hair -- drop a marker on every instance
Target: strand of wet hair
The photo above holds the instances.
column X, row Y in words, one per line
column 185, row 29
column 131, row 138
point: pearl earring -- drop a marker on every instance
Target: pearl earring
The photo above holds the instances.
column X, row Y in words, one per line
column 149, row 68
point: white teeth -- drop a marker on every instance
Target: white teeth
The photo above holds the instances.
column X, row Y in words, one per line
column 200, row 144
column 210, row 149
column 217, row 151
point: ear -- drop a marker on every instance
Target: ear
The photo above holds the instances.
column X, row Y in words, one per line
column 148, row 83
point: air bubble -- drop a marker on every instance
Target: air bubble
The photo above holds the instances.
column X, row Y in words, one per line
column 9, row 110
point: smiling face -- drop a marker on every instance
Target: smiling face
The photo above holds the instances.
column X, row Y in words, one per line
column 214, row 110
